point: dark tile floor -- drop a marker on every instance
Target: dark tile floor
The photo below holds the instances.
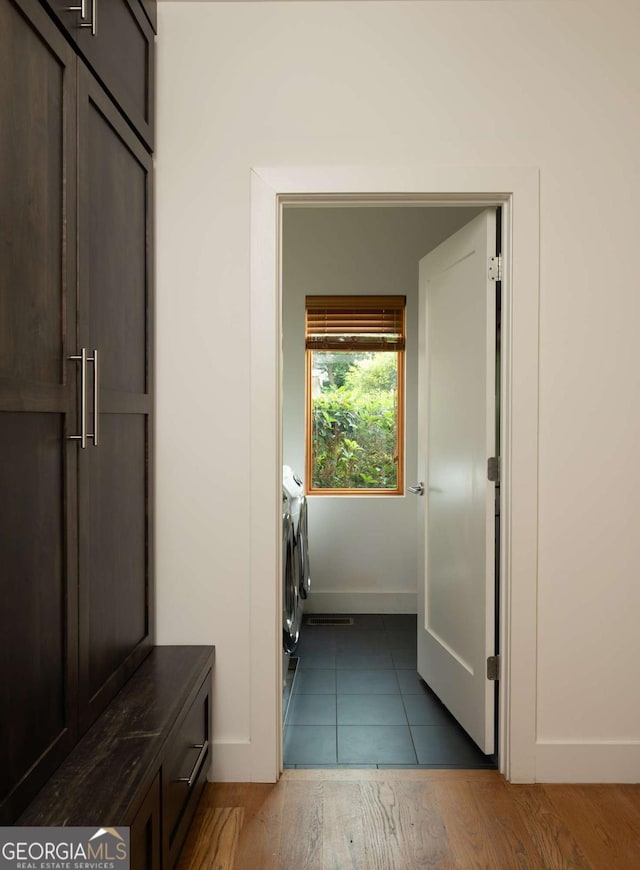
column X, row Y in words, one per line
column 357, row 701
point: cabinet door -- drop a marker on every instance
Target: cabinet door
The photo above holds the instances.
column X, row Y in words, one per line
column 145, row 832
column 114, row 281
column 117, row 42
column 38, row 574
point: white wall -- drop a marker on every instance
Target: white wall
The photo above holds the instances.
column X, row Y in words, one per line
column 363, row 548
column 548, row 84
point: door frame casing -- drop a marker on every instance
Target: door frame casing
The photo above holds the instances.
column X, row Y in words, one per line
column 516, row 189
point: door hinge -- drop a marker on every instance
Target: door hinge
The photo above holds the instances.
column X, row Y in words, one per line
column 495, row 268
column 493, row 469
column 493, row 668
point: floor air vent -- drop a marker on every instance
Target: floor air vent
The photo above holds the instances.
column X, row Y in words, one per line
column 329, row 620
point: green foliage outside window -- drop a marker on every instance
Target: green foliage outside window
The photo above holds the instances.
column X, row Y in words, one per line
column 355, row 421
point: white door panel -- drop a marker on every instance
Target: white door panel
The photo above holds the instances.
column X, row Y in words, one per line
column 456, row 437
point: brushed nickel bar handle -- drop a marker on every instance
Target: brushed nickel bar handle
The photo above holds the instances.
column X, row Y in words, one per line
column 196, row 767
column 82, row 437
column 82, row 9
column 93, row 24
column 96, row 380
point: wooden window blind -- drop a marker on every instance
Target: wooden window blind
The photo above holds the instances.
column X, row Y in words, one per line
column 366, row 323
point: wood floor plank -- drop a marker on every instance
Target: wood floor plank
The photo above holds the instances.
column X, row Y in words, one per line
column 343, row 840
column 468, row 840
column 259, row 844
column 603, row 822
column 302, row 830
column 549, row 831
column 381, row 823
column 402, row 827
column 216, row 837
column 504, row 826
column 627, row 797
column 424, row 840
column 250, row 795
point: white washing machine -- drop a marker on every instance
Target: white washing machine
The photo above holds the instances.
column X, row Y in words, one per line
column 291, row 610
column 294, row 487
column 296, row 580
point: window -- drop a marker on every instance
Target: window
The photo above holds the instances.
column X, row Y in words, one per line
column 355, row 394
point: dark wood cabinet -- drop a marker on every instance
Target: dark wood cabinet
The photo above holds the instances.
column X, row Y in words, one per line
column 115, row 307
column 116, row 40
column 145, row 832
column 75, row 522
column 38, row 406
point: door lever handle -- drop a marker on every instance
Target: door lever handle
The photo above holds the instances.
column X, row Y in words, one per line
column 418, row 489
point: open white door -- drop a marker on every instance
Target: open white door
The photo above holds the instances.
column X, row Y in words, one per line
column 456, row 588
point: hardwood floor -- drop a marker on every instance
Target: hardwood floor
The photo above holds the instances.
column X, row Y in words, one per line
column 406, row 819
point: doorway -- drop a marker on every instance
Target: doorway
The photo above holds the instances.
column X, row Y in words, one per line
column 357, row 695
column 271, row 190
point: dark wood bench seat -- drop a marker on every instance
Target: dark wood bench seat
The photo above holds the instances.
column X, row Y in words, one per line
column 143, row 763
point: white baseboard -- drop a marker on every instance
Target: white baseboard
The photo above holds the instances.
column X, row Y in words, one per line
column 362, row 602
column 612, row 761
column 231, row 761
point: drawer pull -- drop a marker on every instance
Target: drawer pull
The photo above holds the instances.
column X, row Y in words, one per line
column 196, row 767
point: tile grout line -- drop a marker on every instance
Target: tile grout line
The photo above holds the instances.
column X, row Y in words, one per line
column 406, row 713
column 337, row 756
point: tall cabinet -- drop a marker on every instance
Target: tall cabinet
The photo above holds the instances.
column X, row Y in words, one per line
column 114, row 328
column 76, row 378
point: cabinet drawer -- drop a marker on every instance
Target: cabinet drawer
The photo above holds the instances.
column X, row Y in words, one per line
column 184, row 772
column 117, row 42
column 145, row 831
